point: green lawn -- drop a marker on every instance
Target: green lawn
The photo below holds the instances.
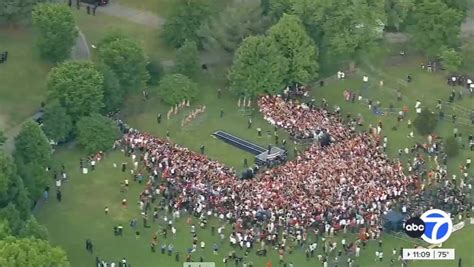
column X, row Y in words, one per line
column 22, row 86
column 156, row 6
column 80, row 215
column 96, row 27
column 142, row 115
column 427, row 87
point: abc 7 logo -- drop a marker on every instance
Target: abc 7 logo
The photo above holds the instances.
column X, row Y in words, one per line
column 434, row 226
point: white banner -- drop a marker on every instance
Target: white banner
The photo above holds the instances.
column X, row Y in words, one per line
column 458, row 226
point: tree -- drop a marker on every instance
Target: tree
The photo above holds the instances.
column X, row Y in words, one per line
column 78, row 86
column 184, row 20
column 155, row 70
column 265, row 6
column 12, row 190
column 451, row 147
column 187, row 59
column 225, row 32
column 96, row 133
column 279, row 7
column 32, row 155
column 258, row 67
column 57, row 124
column 4, row 229
column 397, row 11
column 174, row 88
column 14, row 11
column 33, row 229
column 460, row 5
column 126, row 59
column 467, row 59
column 425, row 122
column 312, row 14
column 297, row 47
column 450, row 59
column 7, row 179
column 11, row 215
column 2, row 138
column 114, row 93
column 352, row 27
column 31, row 252
column 57, row 30
column 32, row 146
column 436, row 25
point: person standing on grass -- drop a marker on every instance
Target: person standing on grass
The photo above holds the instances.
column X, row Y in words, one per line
column 158, row 118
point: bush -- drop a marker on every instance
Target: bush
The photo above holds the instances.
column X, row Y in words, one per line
column 425, row 122
column 451, row 147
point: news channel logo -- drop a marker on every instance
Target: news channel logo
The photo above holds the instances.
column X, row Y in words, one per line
column 434, row 226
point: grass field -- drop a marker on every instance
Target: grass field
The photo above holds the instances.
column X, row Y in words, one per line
column 80, row 215
column 156, row 6
column 96, row 27
column 20, row 97
column 427, row 87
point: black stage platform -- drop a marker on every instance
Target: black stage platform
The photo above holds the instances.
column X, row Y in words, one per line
column 262, row 155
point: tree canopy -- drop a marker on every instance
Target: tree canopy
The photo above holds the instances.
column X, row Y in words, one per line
column 184, row 21
column 33, row 154
column 174, row 88
column 114, row 93
column 450, row 59
column 31, row 252
column 96, row 133
column 2, row 138
column 258, row 67
column 78, row 86
column 33, row 229
column 187, row 59
column 351, row 27
column 226, row 31
column 297, row 47
column 126, row 59
column 57, row 124
column 57, row 31
column 276, row 8
column 14, row 11
column 32, row 146
column 397, row 11
column 435, row 26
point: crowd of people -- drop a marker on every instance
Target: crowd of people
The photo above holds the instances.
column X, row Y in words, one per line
column 344, row 184
column 302, row 121
column 192, row 115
